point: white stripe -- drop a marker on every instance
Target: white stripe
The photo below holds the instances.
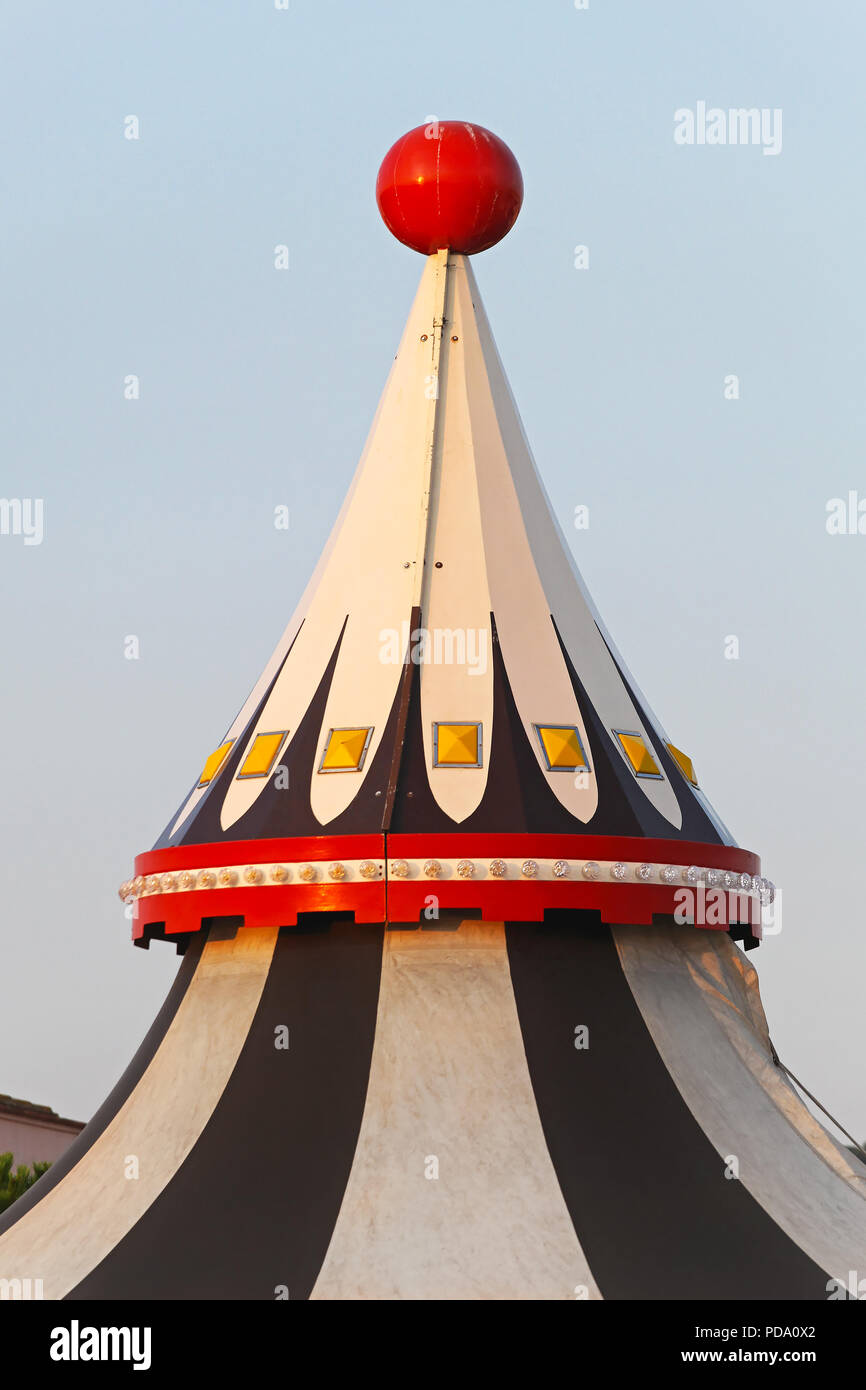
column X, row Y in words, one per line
column 700, row 1000
column 81, row 1220
column 449, row 1081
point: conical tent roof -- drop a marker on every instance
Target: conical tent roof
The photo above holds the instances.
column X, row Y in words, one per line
column 444, row 689
column 451, row 987
column 446, row 545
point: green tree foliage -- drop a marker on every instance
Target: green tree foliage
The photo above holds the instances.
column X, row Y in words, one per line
column 15, row 1181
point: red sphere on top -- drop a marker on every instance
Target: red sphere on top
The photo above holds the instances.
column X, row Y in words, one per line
column 449, row 184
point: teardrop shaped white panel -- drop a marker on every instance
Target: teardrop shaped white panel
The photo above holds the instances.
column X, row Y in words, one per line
column 369, row 576
column 557, row 573
column 533, row 659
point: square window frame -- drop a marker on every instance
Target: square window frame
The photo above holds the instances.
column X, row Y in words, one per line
column 228, row 744
column 458, row 767
column 241, row 776
column 641, row 776
column 346, row 729
column 572, row 729
column 693, row 780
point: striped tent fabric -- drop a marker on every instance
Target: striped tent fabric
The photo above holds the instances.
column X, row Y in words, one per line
column 466, row 1110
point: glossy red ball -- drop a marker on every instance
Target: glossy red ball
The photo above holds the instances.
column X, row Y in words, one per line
column 449, row 184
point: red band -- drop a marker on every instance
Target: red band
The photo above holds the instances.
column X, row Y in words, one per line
column 405, row 899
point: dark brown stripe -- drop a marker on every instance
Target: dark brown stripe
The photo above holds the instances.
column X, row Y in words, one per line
column 654, row 1213
column 403, row 698
column 254, row 1205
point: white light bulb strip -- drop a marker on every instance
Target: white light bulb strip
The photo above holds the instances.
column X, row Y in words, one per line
column 494, row 870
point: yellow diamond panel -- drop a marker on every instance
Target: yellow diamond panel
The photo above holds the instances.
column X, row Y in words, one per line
column 562, row 747
column 345, row 749
column 638, row 754
column 214, row 763
column 457, row 745
column 262, row 755
column 685, row 764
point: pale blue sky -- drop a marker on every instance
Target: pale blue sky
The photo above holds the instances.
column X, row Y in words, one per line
column 155, row 257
